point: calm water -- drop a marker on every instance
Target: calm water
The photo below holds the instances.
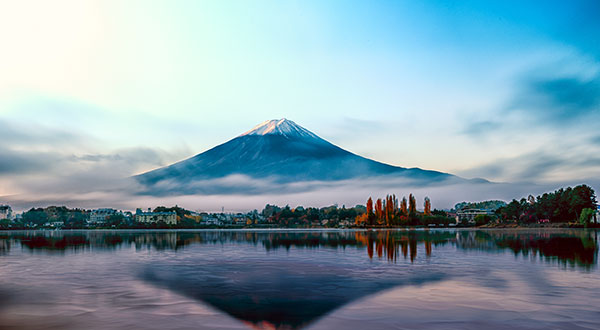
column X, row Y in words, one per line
column 500, row 279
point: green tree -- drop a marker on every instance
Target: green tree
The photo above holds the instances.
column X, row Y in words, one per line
column 5, row 224
column 482, row 219
column 117, row 220
column 586, row 216
column 580, row 198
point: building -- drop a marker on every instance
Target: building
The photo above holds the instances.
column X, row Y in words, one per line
column 101, row 215
column 5, row 212
column 470, row 214
column 55, row 224
column 211, row 221
column 240, row 219
column 169, row 218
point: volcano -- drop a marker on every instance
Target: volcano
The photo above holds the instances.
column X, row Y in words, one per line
column 281, row 151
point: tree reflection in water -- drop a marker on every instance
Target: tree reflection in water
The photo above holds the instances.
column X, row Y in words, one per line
column 570, row 247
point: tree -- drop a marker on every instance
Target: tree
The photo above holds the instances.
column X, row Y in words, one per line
column 116, row 220
column 370, row 215
column 512, row 211
column 439, row 212
column 482, row 219
column 427, row 207
column 412, row 205
column 404, row 207
column 5, row 223
column 361, row 219
column 35, row 216
column 581, row 197
column 379, row 210
column 586, row 216
column 391, row 208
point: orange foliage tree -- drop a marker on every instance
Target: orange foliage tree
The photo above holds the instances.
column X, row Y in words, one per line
column 391, row 209
column 412, row 205
column 379, row 211
column 404, row 207
column 370, row 211
column 427, row 206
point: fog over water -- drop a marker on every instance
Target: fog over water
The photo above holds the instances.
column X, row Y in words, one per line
column 286, row 279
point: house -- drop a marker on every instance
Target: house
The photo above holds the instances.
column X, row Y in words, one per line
column 54, row 224
column 5, row 212
column 101, row 215
column 169, row 218
column 344, row 224
column 470, row 214
column 208, row 220
column 240, row 219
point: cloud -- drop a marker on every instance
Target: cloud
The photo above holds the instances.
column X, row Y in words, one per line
column 558, row 100
column 41, row 164
column 530, row 167
column 481, row 128
column 14, row 162
column 560, row 95
column 539, row 166
column 134, row 157
column 35, row 134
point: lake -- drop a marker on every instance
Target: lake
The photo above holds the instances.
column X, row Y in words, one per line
column 290, row 279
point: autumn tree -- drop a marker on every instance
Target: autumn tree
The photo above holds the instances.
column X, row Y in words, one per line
column 427, row 206
column 361, row 219
column 370, row 216
column 391, row 209
column 403, row 216
column 379, row 210
column 404, row 207
column 412, row 205
column 412, row 210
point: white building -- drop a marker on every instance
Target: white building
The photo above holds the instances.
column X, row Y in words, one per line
column 55, row 224
column 470, row 214
column 169, row 218
column 5, row 212
column 208, row 220
column 101, row 215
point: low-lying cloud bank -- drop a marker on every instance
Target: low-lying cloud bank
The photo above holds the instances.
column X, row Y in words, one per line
column 241, row 193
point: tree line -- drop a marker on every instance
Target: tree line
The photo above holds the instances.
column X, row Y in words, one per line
column 563, row 205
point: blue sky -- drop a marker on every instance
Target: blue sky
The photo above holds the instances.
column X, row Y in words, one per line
column 505, row 90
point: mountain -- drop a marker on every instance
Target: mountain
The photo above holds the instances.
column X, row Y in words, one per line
column 278, row 150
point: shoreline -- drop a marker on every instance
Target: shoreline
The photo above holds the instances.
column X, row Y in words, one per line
column 317, row 229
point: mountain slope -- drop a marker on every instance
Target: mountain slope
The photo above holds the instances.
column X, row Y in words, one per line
column 283, row 152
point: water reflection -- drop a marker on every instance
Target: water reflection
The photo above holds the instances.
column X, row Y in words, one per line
column 570, row 247
column 289, row 279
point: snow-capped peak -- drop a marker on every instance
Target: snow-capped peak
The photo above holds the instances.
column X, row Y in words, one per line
column 281, row 127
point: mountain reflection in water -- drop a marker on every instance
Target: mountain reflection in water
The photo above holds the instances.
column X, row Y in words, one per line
column 290, row 279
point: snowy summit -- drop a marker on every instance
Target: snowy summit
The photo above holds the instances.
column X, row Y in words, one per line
column 283, row 127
